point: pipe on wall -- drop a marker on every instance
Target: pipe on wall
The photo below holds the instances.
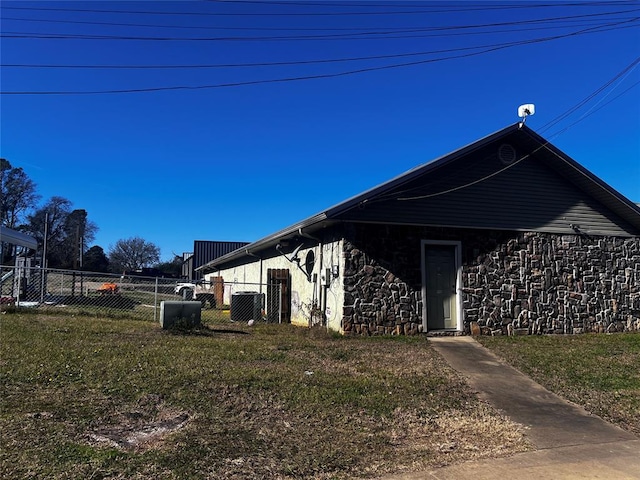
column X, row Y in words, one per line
column 246, row 250
column 322, row 300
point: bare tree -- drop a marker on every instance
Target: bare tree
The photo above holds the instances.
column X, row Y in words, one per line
column 132, row 254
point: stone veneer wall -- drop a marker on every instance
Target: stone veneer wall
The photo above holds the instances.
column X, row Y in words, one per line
column 512, row 281
column 382, row 291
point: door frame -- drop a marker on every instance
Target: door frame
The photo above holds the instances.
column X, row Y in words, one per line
column 458, row 266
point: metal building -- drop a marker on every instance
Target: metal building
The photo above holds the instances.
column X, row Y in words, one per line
column 205, row 251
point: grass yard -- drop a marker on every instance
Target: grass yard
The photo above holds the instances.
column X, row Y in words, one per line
column 597, row 371
column 86, row 397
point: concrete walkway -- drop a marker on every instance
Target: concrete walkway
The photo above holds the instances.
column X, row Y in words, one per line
column 572, row 444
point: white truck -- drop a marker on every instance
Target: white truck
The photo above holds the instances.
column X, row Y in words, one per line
column 202, row 291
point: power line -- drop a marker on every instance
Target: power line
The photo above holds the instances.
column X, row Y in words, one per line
column 304, row 29
column 198, row 27
column 307, row 77
column 227, row 14
column 591, row 96
column 284, row 63
column 594, row 110
column 405, row 12
column 493, row 32
column 268, row 64
column 623, row 73
column 382, row 34
column 501, row 5
column 361, row 36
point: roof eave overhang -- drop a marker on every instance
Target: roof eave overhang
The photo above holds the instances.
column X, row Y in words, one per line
column 303, row 228
column 8, row 235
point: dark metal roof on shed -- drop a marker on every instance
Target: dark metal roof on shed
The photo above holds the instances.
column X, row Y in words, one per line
column 206, row 250
column 487, row 184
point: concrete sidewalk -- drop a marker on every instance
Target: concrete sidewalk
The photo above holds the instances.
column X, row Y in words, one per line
column 572, row 443
column 609, row 461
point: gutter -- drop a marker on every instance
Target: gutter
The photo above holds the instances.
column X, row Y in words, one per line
column 266, row 242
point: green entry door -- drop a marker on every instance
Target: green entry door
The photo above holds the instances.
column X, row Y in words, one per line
column 441, row 291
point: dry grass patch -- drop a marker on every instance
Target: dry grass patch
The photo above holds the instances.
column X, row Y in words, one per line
column 104, row 398
column 458, row 435
column 139, row 428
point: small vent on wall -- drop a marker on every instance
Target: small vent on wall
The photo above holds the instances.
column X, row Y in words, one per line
column 507, row 154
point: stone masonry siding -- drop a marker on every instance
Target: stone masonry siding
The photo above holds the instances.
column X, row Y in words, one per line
column 382, row 292
column 524, row 282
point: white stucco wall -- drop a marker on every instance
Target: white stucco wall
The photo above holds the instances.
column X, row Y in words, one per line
column 305, row 293
column 333, row 302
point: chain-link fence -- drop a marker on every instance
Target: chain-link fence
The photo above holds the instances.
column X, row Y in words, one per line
column 131, row 296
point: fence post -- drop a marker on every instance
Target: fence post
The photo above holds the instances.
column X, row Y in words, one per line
column 42, row 283
column 155, row 302
column 17, row 279
column 279, row 302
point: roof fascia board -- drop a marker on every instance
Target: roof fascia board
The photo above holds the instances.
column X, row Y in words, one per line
column 562, row 231
column 265, row 242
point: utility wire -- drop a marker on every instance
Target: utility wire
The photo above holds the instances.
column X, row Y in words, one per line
column 368, row 29
column 231, row 14
column 367, row 36
column 484, row 6
column 268, row 64
column 500, row 5
column 304, row 29
column 309, row 77
column 283, row 63
column 382, row 34
column 360, row 36
column 594, row 110
column 470, row 184
column 623, row 73
column 268, row 14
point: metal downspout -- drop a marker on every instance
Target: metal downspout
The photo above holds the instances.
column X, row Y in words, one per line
column 246, row 250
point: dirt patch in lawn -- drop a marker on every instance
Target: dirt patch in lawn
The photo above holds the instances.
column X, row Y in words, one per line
column 140, row 428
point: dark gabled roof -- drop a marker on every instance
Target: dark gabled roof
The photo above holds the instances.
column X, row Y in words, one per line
column 565, row 166
column 589, row 183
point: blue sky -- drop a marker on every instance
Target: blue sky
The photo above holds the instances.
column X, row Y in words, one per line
column 237, row 163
